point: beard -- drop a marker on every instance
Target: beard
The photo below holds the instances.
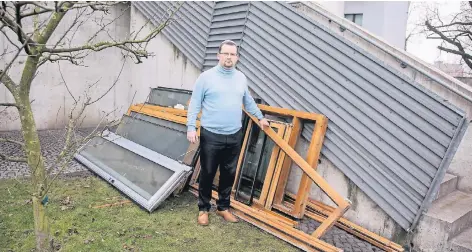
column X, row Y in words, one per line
column 228, row 63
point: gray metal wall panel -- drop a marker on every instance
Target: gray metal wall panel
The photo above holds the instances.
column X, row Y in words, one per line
column 227, row 23
column 386, row 133
column 389, row 135
column 189, row 31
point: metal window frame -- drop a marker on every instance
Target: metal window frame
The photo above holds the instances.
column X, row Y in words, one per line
column 354, row 15
column 172, row 90
column 172, row 115
column 162, row 193
column 188, row 158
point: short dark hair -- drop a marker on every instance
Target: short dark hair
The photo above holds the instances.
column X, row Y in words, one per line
column 228, row 42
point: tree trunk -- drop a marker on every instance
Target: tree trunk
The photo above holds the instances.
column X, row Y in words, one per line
column 38, row 172
column 41, row 226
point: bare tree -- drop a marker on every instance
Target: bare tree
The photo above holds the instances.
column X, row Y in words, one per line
column 29, row 29
column 456, row 34
column 414, row 27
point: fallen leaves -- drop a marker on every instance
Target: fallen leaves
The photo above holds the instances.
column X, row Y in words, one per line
column 89, row 241
column 66, row 203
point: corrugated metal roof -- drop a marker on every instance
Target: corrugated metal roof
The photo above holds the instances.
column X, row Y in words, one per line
column 190, row 29
column 228, row 22
column 392, row 137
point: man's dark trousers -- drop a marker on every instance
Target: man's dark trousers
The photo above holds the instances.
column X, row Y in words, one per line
column 217, row 150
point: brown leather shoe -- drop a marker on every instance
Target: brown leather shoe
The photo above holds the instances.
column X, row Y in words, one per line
column 227, row 215
column 202, row 218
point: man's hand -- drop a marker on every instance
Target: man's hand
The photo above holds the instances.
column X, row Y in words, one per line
column 192, row 136
column 263, row 123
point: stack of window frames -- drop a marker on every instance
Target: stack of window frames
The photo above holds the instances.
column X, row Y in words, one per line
column 259, row 194
column 144, row 175
column 265, row 180
column 148, row 157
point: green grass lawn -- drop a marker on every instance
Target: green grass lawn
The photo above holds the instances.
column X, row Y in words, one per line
column 76, row 226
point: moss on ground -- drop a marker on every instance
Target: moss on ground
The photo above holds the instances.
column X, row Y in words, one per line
column 76, row 226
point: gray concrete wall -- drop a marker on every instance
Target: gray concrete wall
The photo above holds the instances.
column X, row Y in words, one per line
column 52, row 102
column 168, row 68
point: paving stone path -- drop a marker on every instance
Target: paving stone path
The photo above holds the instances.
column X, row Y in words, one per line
column 338, row 237
column 52, row 142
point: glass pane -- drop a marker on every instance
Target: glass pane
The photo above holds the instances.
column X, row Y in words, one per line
column 169, row 97
column 349, row 17
column 139, row 174
column 358, row 19
column 266, row 156
column 164, row 137
column 254, row 167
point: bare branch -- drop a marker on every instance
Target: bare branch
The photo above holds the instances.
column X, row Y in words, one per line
column 60, row 57
column 52, row 25
column 122, row 45
column 65, row 83
column 454, row 23
column 104, row 26
column 8, row 105
column 77, row 28
column 13, row 159
column 114, row 83
column 79, row 14
column 57, row 114
column 70, row 147
column 19, row 32
column 4, row 71
column 96, row 6
column 8, row 38
column 463, row 54
column 7, row 81
column 98, row 47
column 16, row 28
column 37, row 5
column 440, row 34
column 461, row 51
column 69, row 129
column 466, row 57
column 34, row 12
column 12, row 141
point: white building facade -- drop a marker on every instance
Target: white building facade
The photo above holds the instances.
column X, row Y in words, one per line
column 385, row 19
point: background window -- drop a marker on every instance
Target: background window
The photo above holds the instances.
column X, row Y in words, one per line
column 356, row 18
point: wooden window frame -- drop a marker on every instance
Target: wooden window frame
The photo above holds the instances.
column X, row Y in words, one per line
column 261, row 214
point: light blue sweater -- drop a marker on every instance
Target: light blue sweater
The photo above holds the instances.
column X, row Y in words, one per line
column 220, row 94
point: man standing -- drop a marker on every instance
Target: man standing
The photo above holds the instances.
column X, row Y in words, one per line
column 220, row 92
